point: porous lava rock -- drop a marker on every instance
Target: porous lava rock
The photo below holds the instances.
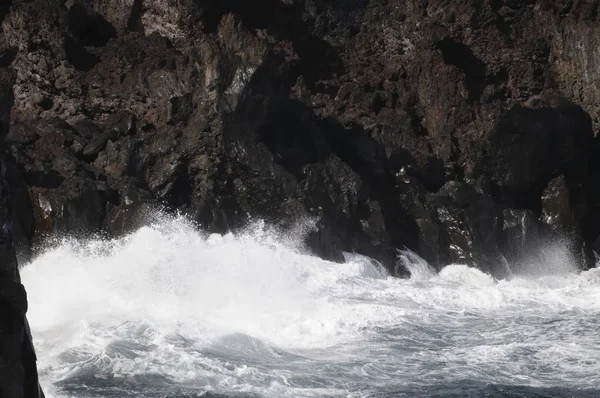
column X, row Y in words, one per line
column 450, row 128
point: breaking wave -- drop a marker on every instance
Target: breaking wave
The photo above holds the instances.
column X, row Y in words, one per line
column 171, row 312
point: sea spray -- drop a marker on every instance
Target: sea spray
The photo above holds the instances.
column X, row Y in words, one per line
column 169, row 312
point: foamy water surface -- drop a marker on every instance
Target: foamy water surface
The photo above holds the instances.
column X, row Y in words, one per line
column 170, row 312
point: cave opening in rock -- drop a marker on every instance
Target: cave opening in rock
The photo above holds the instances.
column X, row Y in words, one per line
column 461, row 56
column 4, row 9
column 89, row 27
column 291, row 135
column 254, row 14
column 78, row 56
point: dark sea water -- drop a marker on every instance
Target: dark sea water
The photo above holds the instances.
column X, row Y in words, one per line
column 169, row 312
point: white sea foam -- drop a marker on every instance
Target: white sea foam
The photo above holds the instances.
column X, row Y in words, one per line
column 168, row 310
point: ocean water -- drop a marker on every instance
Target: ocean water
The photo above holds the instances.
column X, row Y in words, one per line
column 170, row 312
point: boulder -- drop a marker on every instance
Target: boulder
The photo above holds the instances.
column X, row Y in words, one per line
column 557, row 212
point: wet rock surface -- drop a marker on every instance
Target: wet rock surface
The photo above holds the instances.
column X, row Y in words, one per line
column 463, row 130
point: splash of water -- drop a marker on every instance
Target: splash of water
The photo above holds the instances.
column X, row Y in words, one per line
column 168, row 311
column 419, row 268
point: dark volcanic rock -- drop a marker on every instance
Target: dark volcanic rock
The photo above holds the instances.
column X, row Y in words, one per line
column 438, row 126
column 557, row 212
column 460, row 129
column 98, row 143
column 18, row 373
column 533, row 140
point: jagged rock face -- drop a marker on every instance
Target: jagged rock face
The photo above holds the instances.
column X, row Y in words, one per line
column 436, row 125
column 556, row 210
column 18, row 373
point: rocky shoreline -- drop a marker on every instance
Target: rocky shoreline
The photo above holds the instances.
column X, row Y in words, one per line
column 448, row 128
column 463, row 130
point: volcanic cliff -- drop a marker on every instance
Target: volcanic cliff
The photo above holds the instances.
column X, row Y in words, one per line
column 464, row 130
column 447, row 127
